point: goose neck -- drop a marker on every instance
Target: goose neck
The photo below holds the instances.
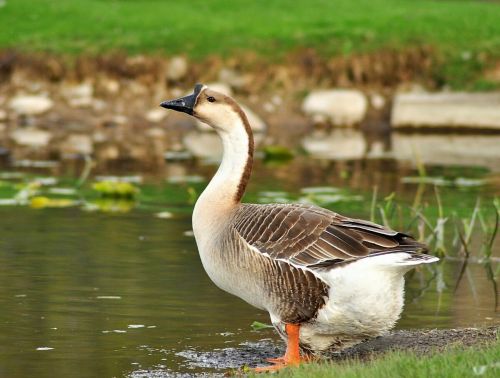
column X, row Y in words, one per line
column 225, row 190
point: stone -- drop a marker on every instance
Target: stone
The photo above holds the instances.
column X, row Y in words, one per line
column 111, row 86
column 77, row 144
column 156, row 115
column 447, row 110
column 377, row 101
column 107, row 152
column 78, row 95
column 137, row 89
column 70, row 91
column 177, row 68
column 156, row 133
column 448, row 149
column 232, row 78
column 339, row 144
column 30, row 104
column 31, row 137
column 203, row 145
column 256, row 123
column 221, row 87
column 342, row 107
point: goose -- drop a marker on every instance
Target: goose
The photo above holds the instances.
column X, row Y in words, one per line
column 328, row 281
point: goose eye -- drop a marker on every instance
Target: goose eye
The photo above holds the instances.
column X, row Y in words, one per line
column 211, row 99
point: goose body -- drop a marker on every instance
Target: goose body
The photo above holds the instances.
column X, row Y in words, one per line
column 327, row 281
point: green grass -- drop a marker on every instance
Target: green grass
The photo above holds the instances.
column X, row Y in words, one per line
column 457, row 362
column 200, row 28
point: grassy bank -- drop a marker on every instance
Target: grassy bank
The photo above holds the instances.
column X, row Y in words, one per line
column 199, row 28
column 465, row 34
column 456, row 362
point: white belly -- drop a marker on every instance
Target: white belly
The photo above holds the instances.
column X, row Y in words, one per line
column 365, row 300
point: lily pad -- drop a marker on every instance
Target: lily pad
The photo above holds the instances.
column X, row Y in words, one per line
column 439, row 181
column 129, row 179
column 257, row 326
column 320, row 189
column 116, row 189
column 110, row 205
column 193, row 179
column 40, row 202
column 326, row 199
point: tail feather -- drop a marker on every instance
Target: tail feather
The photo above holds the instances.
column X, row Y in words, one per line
column 417, row 259
column 405, row 258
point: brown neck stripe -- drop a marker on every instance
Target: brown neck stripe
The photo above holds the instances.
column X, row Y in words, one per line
column 245, row 177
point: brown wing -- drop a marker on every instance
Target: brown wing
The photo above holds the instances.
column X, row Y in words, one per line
column 316, row 237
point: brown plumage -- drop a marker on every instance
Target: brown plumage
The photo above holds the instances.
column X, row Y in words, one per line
column 309, row 236
column 327, row 281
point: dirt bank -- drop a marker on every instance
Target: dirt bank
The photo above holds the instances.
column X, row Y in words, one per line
column 61, row 109
column 64, row 108
column 421, row 341
column 255, row 354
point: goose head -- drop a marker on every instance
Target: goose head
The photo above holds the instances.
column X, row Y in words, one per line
column 214, row 108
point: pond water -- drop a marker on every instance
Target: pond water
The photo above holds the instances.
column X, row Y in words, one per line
column 122, row 293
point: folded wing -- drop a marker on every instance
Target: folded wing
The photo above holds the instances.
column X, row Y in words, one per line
column 314, row 237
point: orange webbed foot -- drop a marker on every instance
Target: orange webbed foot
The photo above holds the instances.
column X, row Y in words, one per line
column 292, row 355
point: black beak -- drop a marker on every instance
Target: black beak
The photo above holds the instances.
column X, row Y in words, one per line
column 184, row 104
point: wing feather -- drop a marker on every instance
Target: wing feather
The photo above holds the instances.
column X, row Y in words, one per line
column 314, row 237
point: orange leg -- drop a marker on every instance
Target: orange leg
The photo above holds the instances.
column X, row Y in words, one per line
column 292, row 354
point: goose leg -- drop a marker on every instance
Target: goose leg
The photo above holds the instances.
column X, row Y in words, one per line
column 292, row 354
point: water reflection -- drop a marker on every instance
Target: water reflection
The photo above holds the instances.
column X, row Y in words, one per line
column 116, row 293
column 90, row 294
column 449, row 149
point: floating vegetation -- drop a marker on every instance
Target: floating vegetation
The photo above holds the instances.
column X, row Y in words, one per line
column 40, row 202
column 441, row 181
column 328, row 199
column 12, row 175
column 26, row 191
column 45, row 181
column 129, row 179
column 257, row 326
column 63, row 191
column 8, row 202
column 469, row 182
column 190, row 179
column 164, row 215
column 35, row 163
column 274, row 197
column 280, row 153
column 177, row 155
column 272, row 194
column 109, row 205
column 116, row 189
column 320, row 190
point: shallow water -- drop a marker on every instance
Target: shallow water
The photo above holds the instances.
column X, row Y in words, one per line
column 111, row 294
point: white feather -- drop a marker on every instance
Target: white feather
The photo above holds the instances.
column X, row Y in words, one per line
column 365, row 300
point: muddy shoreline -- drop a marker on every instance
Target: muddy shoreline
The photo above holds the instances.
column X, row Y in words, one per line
column 421, row 342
